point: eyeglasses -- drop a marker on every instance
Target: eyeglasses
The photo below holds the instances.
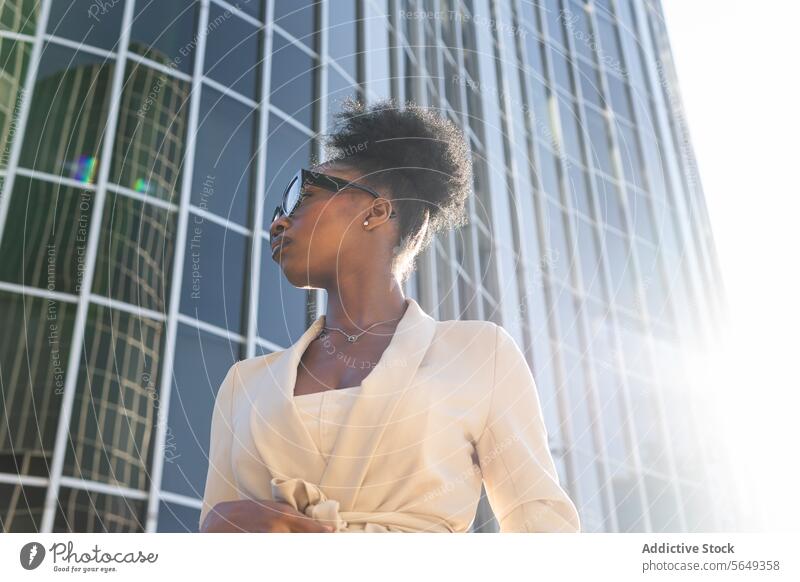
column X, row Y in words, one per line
column 296, row 189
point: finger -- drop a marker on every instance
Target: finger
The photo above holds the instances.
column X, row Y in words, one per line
column 281, row 512
column 305, row 524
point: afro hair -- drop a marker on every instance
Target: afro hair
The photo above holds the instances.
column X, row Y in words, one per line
column 420, row 160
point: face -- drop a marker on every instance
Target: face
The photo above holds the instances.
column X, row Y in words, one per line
column 324, row 239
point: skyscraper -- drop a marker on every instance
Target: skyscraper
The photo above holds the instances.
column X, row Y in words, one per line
column 143, row 141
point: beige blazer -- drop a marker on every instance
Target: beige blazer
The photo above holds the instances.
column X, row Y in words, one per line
column 449, row 403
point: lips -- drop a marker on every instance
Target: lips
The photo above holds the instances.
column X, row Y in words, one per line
column 279, row 242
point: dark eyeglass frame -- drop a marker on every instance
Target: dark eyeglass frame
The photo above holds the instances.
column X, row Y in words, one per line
column 327, row 182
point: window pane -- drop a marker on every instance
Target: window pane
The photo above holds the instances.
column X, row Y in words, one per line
column 610, row 200
column 555, row 23
column 612, row 406
column 252, row 7
column 14, row 56
column 591, row 499
column 590, row 84
column 292, row 84
column 47, row 229
column 568, row 323
column 165, row 32
column 557, row 241
column 224, row 159
column 343, row 35
column 377, row 51
column 591, row 268
column 288, row 150
column 33, row 364
column 575, row 388
column 561, row 69
column 177, row 518
column 618, row 90
column 630, row 155
column 201, row 362
column 569, row 127
column 576, row 22
column 21, row 508
column 87, row 22
column 664, row 512
column 627, row 498
column 609, row 53
column 339, row 89
column 642, row 217
column 298, row 18
column 533, row 50
column 578, row 189
column 82, row 511
column 281, row 306
column 232, row 55
column 134, row 262
column 620, row 262
column 549, row 172
column 115, row 411
column 151, row 134
column 19, row 16
column 599, row 141
column 68, row 114
column 652, row 281
column 214, row 270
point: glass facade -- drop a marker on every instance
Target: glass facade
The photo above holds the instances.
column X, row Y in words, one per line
column 142, row 145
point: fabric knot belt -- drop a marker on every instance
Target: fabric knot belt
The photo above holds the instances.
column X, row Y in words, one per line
column 310, row 500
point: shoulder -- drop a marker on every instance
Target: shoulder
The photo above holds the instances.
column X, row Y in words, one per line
column 257, row 363
column 466, row 337
column 237, row 379
column 248, row 367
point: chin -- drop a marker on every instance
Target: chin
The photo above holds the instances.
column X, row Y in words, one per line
column 299, row 275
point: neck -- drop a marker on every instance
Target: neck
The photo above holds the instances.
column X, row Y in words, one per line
column 353, row 308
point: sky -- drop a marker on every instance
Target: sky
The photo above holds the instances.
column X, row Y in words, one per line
column 740, row 83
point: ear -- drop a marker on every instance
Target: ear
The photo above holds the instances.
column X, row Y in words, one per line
column 378, row 213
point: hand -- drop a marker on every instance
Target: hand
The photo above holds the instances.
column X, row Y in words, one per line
column 259, row 516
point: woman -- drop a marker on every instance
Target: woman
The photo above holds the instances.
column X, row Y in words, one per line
column 379, row 418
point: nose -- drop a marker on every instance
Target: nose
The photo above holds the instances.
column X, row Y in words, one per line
column 279, row 225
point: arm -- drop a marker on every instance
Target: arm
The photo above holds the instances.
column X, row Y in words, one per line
column 220, row 482
column 231, row 511
column 518, row 470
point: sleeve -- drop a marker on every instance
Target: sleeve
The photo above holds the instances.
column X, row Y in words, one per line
column 220, row 481
column 518, row 470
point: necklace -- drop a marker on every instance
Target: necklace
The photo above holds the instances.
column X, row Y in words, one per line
column 353, row 337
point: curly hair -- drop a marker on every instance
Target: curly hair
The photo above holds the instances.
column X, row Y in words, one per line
column 420, row 159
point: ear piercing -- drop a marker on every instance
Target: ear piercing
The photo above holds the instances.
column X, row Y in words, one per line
column 366, row 222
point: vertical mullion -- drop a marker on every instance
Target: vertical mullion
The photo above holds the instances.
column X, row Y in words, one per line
column 257, row 242
column 165, row 387
column 451, row 269
column 24, row 110
column 473, row 267
column 427, row 259
column 321, row 295
column 96, row 224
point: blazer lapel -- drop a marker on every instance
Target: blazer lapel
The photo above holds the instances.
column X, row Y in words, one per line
column 280, row 435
